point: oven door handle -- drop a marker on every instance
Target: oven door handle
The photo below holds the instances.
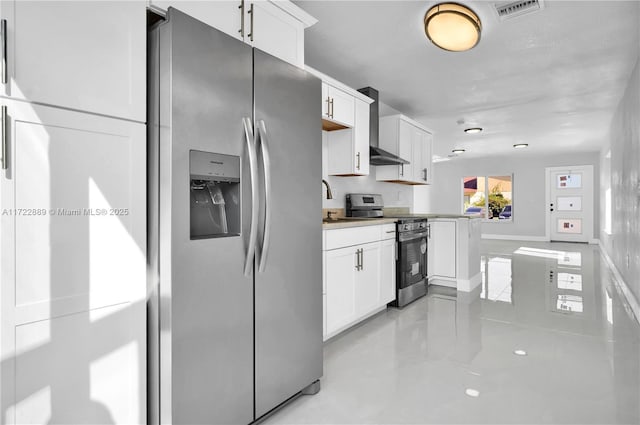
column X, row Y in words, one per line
column 406, row 237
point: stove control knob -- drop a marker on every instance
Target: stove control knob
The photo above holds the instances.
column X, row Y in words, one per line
column 406, row 227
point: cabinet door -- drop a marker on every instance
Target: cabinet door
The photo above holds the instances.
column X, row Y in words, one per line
column 444, row 234
column 342, row 107
column 361, row 138
column 340, row 268
column 224, row 15
column 73, row 264
column 430, row 249
column 84, row 55
column 417, row 145
column 405, row 150
column 427, row 160
column 367, row 287
column 274, row 31
column 387, row 271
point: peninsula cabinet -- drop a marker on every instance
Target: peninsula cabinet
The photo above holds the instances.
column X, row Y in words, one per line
column 82, row 55
column 72, row 267
column 275, row 27
column 411, row 141
column 359, row 274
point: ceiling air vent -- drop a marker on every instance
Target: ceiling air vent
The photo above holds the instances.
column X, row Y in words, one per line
column 512, row 9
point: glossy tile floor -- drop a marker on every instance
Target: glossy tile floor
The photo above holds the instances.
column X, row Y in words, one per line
column 546, row 339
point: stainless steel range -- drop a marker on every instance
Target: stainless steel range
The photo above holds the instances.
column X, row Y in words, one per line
column 411, row 245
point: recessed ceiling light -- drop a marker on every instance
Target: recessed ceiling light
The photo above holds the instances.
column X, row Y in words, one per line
column 458, row 151
column 473, row 130
column 520, row 353
column 471, row 392
column 520, row 145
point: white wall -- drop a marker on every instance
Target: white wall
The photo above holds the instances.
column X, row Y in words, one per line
column 445, row 195
column 621, row 173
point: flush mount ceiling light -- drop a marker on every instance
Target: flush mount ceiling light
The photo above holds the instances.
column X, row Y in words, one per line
column 452, row 26
column 473, row 130
column 458, row 151
column 520, row 145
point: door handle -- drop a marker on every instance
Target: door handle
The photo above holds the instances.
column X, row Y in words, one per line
column 3, row 48
column 241, row 30
column 266, row 165
column 253, row 167
column 4, row 160
column 251, row 23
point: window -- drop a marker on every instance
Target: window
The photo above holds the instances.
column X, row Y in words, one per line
column 488, row 196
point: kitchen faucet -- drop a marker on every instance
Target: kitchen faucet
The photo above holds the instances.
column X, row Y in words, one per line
column 329, row 194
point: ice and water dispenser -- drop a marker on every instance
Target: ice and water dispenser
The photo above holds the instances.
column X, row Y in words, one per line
column 215, row 195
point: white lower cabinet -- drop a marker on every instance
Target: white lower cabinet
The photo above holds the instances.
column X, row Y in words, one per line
column 442, row 248
column 359, row 279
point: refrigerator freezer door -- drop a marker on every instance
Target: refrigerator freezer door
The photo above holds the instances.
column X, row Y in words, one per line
column 288, row 293
column 206, row 301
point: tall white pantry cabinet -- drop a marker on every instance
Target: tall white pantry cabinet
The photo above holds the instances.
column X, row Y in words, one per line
column 73, row 212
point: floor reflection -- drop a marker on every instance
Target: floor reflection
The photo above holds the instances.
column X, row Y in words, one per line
column 546, row 338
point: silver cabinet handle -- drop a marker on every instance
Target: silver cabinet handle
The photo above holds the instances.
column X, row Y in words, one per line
column 425, row 174
column 328, row 106
column 3, row 48
column 5, row 161
column 241, row 30
column 266, row 165
column 251, row 23
column 331, row 106
column 358, row 259
column 358, row 161
column 402, row 170
column 255, row 208
column 361, row 258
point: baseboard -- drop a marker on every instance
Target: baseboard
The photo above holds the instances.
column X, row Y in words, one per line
column 468, row 285
column 444, row 281
column 621, row 284
column 516, row 238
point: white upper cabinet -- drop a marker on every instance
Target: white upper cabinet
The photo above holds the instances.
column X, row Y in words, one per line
column 410, row 141
column 275, row 27
column 83, row 55
column 225, row 15
column 338, row 106
column 348, row 149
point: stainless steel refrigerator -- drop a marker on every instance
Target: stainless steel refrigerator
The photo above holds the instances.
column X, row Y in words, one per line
column 235, row 271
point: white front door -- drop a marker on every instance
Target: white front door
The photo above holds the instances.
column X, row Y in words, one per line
column 570, row 203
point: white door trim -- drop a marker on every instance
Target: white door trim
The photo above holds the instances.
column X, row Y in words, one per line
column 547, row 199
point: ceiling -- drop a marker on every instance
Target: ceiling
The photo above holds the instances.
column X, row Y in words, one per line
column 552, row 79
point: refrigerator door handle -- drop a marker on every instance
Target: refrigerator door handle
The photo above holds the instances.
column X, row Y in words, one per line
column 266, row 163
column 253, row 166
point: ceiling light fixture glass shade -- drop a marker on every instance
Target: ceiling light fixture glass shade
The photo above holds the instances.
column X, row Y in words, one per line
column 452, row 26
column 458, row 151
column 521, row 145
column 473, row 130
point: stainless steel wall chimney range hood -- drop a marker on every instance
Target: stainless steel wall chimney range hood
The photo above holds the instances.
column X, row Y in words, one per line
column 377, row 156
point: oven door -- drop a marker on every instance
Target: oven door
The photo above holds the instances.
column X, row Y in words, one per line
column 412, row 258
